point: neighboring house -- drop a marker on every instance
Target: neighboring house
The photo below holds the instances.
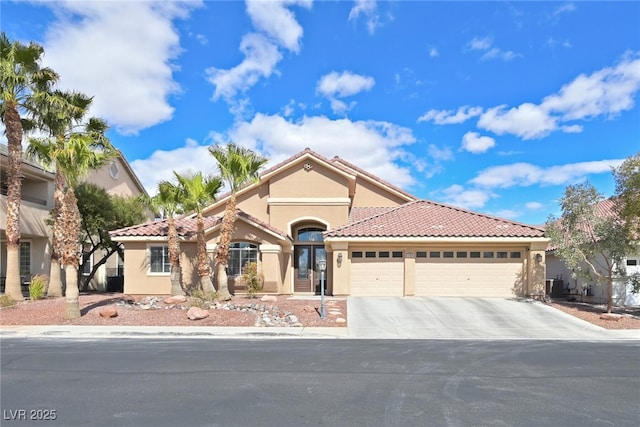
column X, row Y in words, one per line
column 376, row 238
column 38, row 186
column 37, row 202
column 562, row 284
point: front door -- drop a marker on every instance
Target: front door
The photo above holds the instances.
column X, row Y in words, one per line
column 307, row 275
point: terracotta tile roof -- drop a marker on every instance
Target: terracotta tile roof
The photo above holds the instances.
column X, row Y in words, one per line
column 339, row 161
column 360, row 213
column 186, row 226
column 423, row 218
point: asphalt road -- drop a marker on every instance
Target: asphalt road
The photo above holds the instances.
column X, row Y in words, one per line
column 272, row 382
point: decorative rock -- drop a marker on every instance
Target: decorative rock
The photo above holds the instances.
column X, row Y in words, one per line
column 611, row 316
column 108, row 312
column 341, row 320
column 269, row 298
column 308, row 308
column 128, row 299
column 197, row 313
column 175, row 299
column 293, row 318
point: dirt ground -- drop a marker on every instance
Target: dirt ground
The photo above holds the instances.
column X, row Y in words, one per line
column 50, row 311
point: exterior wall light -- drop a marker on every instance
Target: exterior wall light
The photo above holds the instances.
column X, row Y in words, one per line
column 538, row 258
column 339, row 260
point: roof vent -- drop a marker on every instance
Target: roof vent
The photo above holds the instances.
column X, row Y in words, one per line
column 308, row 166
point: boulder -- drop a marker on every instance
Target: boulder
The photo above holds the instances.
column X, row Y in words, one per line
column 108, row 312
column 269, row 298
column 611, row 316
column 197, row 313
column 175, row 299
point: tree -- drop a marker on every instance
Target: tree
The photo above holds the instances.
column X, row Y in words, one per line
column 22, row 80
column 81, row 152
column 59, row 119
column 238, row 167
column 195, row 192
column 167, row 203
column 627, row 178
column 593, row 246
column 101, row 212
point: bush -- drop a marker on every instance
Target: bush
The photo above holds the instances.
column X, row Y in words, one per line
column 252, row 279
column 37, row 287
column 7, row 301
column 201, row 299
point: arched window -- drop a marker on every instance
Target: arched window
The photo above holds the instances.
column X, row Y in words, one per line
column 241, row 254
column 310, row 235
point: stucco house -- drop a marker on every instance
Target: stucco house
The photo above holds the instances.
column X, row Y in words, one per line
column 38, row 185
column 562, row 284
column 376, row 238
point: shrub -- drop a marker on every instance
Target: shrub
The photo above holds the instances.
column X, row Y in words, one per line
column 201, row 299
column 252, row 278
column 37, row 287
column 7, row 301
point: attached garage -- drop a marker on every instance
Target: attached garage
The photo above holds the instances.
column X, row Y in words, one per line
column 373, row 275
column 464, row 273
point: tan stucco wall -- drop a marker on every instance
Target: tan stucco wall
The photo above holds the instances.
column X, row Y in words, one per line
column 285, row 217
column 123, row 185
column 318, row 181
column 136, row 279
column 369, row 194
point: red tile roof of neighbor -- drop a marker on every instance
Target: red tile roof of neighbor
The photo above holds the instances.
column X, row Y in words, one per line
column 423, row 218
column 186, row 227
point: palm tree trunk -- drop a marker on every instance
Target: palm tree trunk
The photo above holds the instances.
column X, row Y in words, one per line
column 55, row 276
column 222, row 251
column 13, row 129
column 174, row 259
column 204, row 270
column 72, row 305
column 71, row 252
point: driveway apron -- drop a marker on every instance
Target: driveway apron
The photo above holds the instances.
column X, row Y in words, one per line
column 463, row 318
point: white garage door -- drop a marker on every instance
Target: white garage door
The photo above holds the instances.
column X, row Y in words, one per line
column 470, row 277
column 377, row 277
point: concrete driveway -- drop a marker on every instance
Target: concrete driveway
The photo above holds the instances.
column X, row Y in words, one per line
column 464, row 318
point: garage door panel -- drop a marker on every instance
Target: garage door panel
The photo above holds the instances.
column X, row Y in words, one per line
column 377, row 277
column 457, row 278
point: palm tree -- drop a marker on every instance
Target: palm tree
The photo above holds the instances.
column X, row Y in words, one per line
column 21, row 80
column 238, row 167
column 60, row 120
column 196, row 192
column 81, row 152
column 167, row 201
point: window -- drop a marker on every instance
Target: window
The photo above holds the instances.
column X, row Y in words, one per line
column 461, row 254
column 632, row 262
column 241, row 254
column 383, row 254
column 501, row 254
column 25, row 259
column 86, row 268
column 357, row 254
column 396, row 254
column 421, row 254
column 447, row 254
column 370, row 254
column 487, row 255
column 515, row 255
column 310, row 235
column 434, row 254
column 159, row 259
column 474, row 254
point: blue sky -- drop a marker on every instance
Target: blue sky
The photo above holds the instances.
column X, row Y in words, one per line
column 491, row 106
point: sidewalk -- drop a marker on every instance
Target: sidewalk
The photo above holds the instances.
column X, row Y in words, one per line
column 212, row 332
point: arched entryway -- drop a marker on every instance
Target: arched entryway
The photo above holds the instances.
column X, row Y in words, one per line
column 307, row 251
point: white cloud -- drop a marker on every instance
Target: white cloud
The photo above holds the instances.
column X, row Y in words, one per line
column 490, row 52
column 369, row 9
column 526, row 174
column 340, row 85
column 605, row 92
column 508, row 213
column 275, row 20
column 447, row 117
column 440, row 154
column 161, row 164
column 261, row 57
column 457, row 195
column 480, row 43
column 527, row 121
column 533, row 205
column 102, row 49
column 474, row 143
column 433, row 52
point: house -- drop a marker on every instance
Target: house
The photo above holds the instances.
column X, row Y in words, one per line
column 38, row 185
column 562, row 284
column 376, row 239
